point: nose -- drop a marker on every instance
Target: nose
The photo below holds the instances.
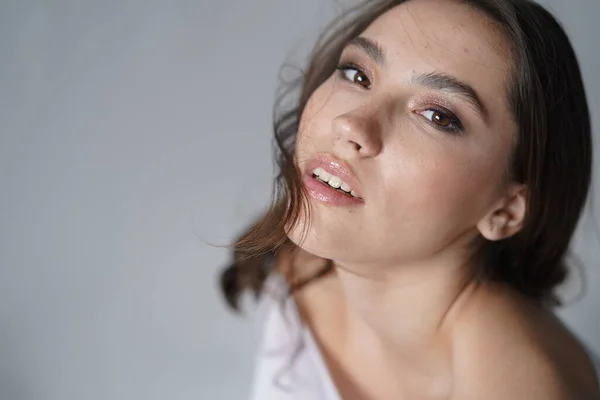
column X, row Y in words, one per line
column 357, row 134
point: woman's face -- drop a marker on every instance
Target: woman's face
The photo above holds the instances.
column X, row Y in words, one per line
column 415, row 122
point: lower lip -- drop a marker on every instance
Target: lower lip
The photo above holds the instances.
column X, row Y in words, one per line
column 325, row 194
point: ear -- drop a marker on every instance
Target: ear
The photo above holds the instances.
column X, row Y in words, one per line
column 507, row 215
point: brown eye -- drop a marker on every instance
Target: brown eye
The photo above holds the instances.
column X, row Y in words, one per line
column 442, row 120
column 355, row 75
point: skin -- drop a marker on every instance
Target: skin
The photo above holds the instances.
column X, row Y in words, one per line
column 401, row 316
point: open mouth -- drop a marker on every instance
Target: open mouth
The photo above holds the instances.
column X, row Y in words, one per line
column 334, row 182
column 331, row 187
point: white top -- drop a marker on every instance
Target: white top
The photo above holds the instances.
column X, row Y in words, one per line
column 289, row 364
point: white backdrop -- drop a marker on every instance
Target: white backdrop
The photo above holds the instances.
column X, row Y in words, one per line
column 131, row 132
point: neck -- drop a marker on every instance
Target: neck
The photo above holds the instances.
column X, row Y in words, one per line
column 406, row 311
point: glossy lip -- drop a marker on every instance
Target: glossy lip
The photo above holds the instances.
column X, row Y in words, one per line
column 324, row 193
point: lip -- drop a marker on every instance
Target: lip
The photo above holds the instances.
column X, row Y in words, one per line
column 326, row 194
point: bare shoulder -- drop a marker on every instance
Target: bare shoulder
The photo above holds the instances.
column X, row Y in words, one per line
column 505, row 347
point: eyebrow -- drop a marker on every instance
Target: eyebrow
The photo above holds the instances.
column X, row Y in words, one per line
column 431, row 80
column 371, row 47
column 448, row 83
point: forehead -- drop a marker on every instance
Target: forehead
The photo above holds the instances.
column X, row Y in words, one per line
column 446, row 36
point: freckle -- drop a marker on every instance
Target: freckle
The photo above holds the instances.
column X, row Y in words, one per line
column 466, row 49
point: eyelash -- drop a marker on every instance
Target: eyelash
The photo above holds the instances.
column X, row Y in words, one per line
column 455, row 126
column 342, row 68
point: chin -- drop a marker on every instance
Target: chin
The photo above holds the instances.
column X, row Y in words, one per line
column 308, row 241
column 324, row 237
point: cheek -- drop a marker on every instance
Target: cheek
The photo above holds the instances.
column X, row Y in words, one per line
column 319, row 108
column 474, row 189
column 314, row 124
column 445, row 186
column 307, row 117
column 306, row 122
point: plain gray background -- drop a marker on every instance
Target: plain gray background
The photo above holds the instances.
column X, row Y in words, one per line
column 133, row 132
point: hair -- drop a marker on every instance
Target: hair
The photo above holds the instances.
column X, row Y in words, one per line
column 552, row 154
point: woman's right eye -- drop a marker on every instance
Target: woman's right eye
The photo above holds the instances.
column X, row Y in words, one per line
column 354, row 74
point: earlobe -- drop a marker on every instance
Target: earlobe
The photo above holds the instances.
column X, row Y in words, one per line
column 507, row 218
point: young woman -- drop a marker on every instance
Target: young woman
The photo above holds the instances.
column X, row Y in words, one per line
column 431, row 178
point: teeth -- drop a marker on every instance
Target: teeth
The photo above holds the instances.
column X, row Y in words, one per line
column 322, row 174
column 334, row 181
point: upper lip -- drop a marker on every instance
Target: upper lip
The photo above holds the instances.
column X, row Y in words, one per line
column 338, row 168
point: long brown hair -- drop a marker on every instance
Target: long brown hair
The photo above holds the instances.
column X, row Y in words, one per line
column 552, row 153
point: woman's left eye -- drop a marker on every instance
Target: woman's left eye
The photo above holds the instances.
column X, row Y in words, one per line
column 443, row 120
